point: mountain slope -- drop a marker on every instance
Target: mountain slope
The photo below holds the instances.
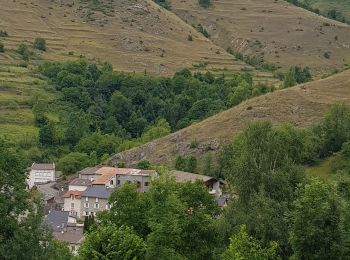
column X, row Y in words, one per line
column 279, row 32
column 302, row 106
column 133, row 35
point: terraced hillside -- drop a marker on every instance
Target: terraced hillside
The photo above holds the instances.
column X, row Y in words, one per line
column 18, row 87
column 279, row 32
column 134, row 35
column 301, row 106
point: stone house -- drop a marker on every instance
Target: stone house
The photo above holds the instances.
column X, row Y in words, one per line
column 94, row 199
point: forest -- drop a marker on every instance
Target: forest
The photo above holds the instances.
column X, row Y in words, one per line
column 99, row 112
column 275, row 210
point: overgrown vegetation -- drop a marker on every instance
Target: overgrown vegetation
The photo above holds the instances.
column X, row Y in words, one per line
column 101, row 112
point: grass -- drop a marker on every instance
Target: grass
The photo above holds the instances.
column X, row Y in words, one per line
column 322, row 170
column 17, row 132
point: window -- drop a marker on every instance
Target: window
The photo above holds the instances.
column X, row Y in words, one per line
column 87, row 199
column 84, row 213
column 96, row 206
column 111, row 182
column 72, row 205
column 86, row 205
column 107, row 206
column 138, row 184
column 96, row 200
column 146, row 183
column 118, row 182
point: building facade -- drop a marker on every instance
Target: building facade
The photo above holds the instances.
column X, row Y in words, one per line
column 94, row 199
column 41, row 173
column 72, row 203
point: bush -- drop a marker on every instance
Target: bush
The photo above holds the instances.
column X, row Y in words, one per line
column 3, row 34
column 164, row 3
column 2, row 47
column 190, row 38
column 204, row 3
column 40, row 44
column 24, row 51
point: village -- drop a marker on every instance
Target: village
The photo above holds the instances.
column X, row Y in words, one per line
column 68, row 203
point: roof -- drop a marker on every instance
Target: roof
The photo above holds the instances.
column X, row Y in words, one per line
column 80, row 182
column 108, row 173
column 74, row 193
column 43, row 166
column 189, row 177
column 69, row 237
column 57, row 219
column 97, row 192
column 90, row 170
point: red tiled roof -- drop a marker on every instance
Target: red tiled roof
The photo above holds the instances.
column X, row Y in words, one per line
column 74, row 193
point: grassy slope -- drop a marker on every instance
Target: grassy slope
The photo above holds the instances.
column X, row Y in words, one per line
column 134, row 35
column 301, row 106
column 284, row 34
column 17, row 88
column 325, row 5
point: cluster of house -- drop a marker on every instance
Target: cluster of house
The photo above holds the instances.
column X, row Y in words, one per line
column 89, row 192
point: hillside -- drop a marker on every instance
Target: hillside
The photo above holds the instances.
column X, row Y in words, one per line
column 342, row 7
column 301, row 106
column 279, row 32
column 133, row 35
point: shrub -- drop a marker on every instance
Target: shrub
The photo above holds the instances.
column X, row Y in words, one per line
column 3, row 34
column 164, row 3
column 190, row 38
column 327, row 55
column 24, row 51
column 40, row 44
column 2, row 47
column 144, row 165
column 204, row 3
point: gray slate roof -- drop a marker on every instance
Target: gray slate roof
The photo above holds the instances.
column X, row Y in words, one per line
column 57, row 220
column 97, row 192
column 43, row 166
column 80, row 182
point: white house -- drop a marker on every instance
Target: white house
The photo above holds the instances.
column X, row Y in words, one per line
column 41, row 173
column 72, row 203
